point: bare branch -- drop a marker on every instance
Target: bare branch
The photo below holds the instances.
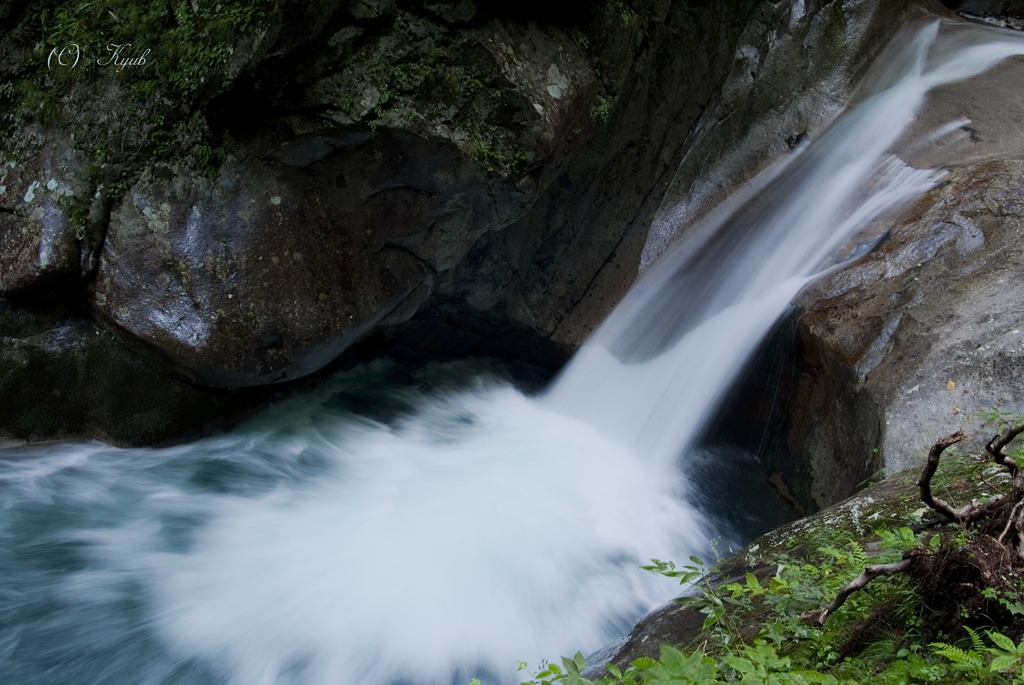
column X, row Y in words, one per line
column 997, row 445
column 925, row 481
column 1010, row 521
column 819, row 616
column 996, row 448
column 1012, row 504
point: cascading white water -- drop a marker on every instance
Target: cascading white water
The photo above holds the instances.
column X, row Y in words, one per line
column 652, row 373
column 369, row 533
column 372, row 534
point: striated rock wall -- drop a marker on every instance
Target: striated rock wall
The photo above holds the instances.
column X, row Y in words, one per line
column 794, row 68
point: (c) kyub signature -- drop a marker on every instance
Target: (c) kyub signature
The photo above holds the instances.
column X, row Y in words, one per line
column 69, row 55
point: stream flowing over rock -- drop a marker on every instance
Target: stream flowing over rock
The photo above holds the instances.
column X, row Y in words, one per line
column 441, row 177
column 916, row 339
column 278, row 190
column 924, row 332
column 922, row 336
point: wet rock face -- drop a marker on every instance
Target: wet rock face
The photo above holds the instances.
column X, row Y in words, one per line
column 372, row 162
column 61, row 376
column 928, row 328
column 39, row 237
column 792, row 70
column 253, row 277
column 988, row 7
column 479, row 177
column 924, row 333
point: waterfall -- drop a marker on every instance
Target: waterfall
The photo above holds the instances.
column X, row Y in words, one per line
column 379, row 531
column 652, row 374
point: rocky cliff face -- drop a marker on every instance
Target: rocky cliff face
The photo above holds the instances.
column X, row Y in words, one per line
column 921, row 337
column 926, row 329
column 918, row 338
column 275, row 182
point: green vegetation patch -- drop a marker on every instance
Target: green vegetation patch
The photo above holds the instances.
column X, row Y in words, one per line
column 128, row 79
column 953, row 614
column 420, row 77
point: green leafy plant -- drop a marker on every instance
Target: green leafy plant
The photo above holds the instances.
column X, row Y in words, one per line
column 602, row 111
column 707, row 600
column 1004, row 656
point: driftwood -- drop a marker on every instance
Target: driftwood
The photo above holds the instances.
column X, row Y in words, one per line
column 819, row 616
column 1010, row 506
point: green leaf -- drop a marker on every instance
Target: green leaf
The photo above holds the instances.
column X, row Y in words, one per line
column 710, row 621
column 976, row 644
column 1004, row 662
column 576, row 679
column 673, row 658
column 644, row 663
column 1001, row 641
column 742, row 666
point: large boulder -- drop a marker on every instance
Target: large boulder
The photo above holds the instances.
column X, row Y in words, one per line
column 922, row 336
column 61, row 376
column 251, row 278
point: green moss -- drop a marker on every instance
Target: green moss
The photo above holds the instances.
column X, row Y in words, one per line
column 419, row 77
column 78, row 216
column 497, row 152
column 602, row 110
column 187, row 41
column 133, row 114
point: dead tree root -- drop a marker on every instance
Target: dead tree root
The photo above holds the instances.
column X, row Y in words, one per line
column 957, row 581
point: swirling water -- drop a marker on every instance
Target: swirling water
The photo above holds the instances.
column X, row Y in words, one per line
column 370, row 532
column 376, row 532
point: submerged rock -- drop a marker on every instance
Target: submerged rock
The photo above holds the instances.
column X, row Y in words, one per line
column 62, row 377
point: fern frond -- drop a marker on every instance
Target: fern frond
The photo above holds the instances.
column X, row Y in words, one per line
column 858, row 557
column 957, row 655
column 976, row 644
